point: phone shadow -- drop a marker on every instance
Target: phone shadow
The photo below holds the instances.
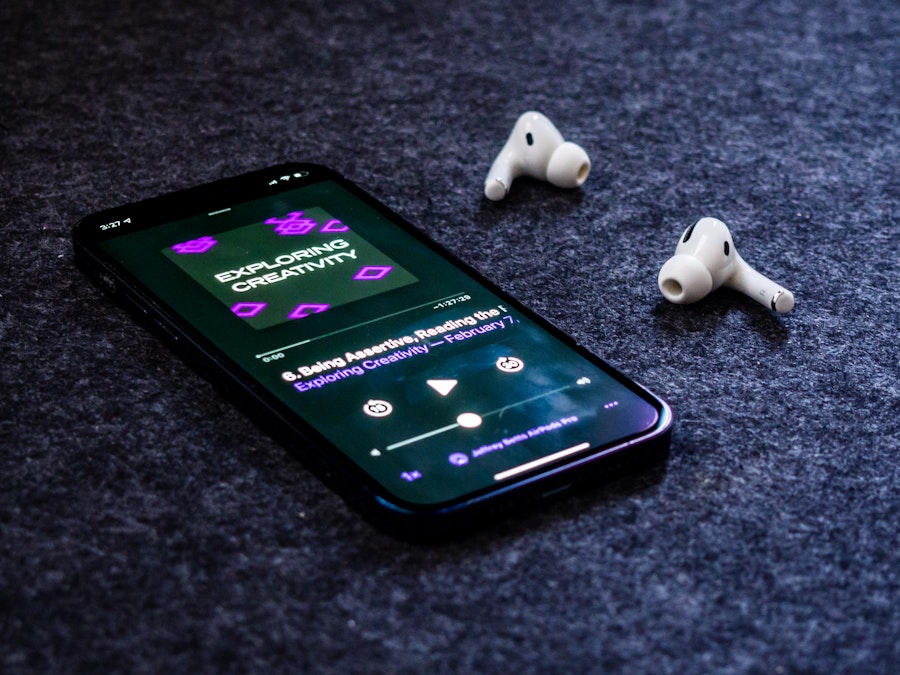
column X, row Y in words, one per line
column 562, row 510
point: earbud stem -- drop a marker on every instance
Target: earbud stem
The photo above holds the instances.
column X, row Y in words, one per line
column 759, row 287
column 500, row 177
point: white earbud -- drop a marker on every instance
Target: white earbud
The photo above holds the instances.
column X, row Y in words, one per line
column 536, row 148
column 706, row 259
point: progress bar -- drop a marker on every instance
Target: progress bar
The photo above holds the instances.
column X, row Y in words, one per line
column 421, row 437
column 450, row 427
column 523, row 468
column 364, row 323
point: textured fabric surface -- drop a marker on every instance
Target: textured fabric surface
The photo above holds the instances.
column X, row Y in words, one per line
column 147, row 526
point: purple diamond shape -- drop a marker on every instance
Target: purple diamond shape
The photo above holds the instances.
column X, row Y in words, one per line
column 293, row 224
column 372, row 272
column 247, row 309
column 334, row 225
column 201, row 245
column 303, row 311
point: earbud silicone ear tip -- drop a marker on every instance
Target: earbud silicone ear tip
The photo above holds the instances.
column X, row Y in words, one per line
column 684, row 279
column 569, row 166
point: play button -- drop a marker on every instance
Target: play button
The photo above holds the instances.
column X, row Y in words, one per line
column 443, row 387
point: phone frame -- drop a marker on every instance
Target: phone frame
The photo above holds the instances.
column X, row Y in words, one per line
column 331, row 465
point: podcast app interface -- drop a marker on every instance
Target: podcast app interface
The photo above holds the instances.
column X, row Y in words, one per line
column 425, row 379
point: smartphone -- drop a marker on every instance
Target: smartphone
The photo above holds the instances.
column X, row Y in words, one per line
column 428, row 398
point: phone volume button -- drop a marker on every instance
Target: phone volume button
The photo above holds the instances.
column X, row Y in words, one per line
column 166, row 331
column 133, row 304
column 557, row 492
column 107, row 281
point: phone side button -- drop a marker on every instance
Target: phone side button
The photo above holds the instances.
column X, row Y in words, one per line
column 556, row 492
column 134, row 306
column 166, row 332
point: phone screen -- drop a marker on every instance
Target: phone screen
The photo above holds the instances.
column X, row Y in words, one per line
column 431, row 382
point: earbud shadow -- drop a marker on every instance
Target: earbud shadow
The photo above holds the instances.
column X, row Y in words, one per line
column 528, row 194
column 711, row 312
